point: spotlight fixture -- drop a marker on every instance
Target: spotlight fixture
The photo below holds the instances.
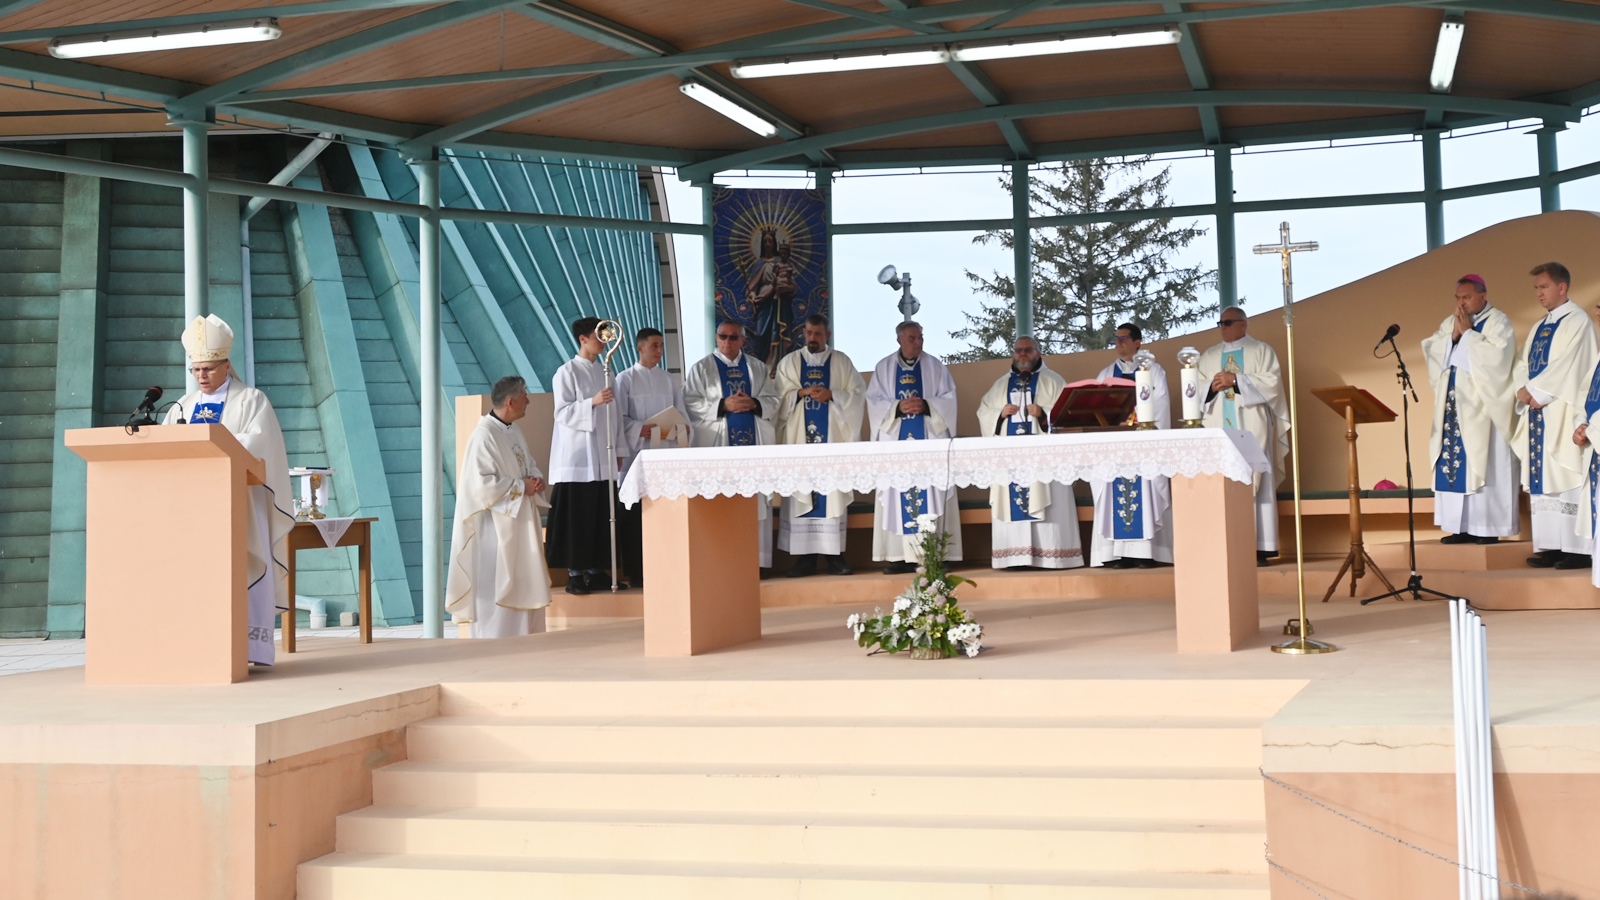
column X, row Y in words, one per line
column 1445, row 54
column 959, row 51
column 729, row 107
column 213, row 35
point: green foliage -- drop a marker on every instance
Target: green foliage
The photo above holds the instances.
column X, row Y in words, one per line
column 1087, row 279
column 926, row 615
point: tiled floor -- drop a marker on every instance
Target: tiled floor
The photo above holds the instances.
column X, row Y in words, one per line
column 33, row 654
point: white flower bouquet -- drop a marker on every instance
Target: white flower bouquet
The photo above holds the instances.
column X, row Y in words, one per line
column 926, row 619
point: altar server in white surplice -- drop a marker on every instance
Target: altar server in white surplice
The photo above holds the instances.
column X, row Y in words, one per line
column 1552, row 380
column 247, row 413
column 821, row 399
column 1131, row 515
column 1470, row 360
column 498, row 580
column 911, row 398
column 644, row 390
column 731, row 404
column 1247, row 393
column 1030, row 524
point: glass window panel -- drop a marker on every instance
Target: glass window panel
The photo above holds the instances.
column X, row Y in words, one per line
column 1352, row 243
column 1264, row 174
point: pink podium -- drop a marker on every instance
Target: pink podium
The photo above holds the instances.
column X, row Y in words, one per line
column 166, row 563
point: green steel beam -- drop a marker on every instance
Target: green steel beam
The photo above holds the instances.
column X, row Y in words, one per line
column 1508, row 109
column 1558, row 10
column 1194, row 66
column 877, row 19
column 335, row 50
column 288, row 11
column 7, row 7
column 1549, row 164
column 1020, row 9
column 84, row 76
column 1022, row 247
column 1432, row 189
column 1227, row 241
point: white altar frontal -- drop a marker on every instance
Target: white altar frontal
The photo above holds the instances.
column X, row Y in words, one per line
column 702, row 579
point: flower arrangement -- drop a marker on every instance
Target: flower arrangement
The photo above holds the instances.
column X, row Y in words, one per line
column 926, row 619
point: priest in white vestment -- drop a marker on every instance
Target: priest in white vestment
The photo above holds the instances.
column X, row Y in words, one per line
column 581, row 468
column 1247, row 393
column 1132, row 522
column 1551, row 380
column 222, row 399
column 644, row 390
column 1590, row 505
column 731, row 404
column 912, row 397
column 497, row 579
column 1031, row 525
column 821, row 398
column 1470, row 359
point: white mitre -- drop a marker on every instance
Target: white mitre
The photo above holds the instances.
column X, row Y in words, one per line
column 207, row 339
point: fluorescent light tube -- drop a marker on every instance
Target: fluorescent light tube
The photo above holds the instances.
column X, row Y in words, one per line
column 962, row 52
column 213, row 35
column 844, row 62
column 727, row 107
column 1445, row 53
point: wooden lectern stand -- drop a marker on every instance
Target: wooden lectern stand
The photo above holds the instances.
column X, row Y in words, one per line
column 164, row 596
column 1357, row 407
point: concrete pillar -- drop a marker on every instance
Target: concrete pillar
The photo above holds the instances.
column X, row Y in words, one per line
column 196, row 225
column 428, row 245
column 825, row 188
column 1432, row 185
column 1549, row 165
column 1227, row 242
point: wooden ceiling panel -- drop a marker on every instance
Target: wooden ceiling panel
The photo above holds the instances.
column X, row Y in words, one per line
column 1092, row 126
column 1142, row 70
column 440, row 105
column 61, row 13
column 1506, row 56
column 969, row 136
column 655, row 112
column 853, row 99
column 703, row 23
column 1379, row 49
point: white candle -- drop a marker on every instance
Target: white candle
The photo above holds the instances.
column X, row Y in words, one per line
column 1144, row 407
column 1193, row 394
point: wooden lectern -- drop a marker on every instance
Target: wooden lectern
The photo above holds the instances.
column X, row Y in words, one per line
column 1357, row 407
column 164, row 596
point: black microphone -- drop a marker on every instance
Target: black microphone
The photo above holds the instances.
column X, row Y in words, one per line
column 148, row 404
column 1387, row 336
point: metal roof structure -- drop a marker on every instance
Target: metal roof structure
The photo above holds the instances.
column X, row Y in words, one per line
column 599, row 79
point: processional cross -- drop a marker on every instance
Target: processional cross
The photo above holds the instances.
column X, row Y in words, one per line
column 1283, row 248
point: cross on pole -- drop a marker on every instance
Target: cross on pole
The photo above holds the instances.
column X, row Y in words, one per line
column 1284, row 248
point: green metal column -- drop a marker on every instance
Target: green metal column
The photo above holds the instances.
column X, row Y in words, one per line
column 196, row 225
column 1227, row 243
column 1432, row 185
column 1549, row 188
column 432, row 459
column 1022, row 247
column 825, row 188
column 709, row 261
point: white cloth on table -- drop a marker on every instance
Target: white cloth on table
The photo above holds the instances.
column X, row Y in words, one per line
column 1154, row 512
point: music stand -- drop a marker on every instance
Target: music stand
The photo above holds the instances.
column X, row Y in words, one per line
column 1093, row 406
column 1356, row 407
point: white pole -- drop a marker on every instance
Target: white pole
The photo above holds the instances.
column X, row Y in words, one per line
column 1490, row 863
column 1463, row 775
column 1469, row 647
column 428, row 249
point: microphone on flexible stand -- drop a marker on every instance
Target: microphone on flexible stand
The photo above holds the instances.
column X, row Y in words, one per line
column 144, row 413
column 1387, row 336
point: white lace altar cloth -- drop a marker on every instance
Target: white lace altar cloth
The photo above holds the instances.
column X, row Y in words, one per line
column 787, row 469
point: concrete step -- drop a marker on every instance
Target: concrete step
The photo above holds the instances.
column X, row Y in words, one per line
column 977, row 699
column 1155, row 742
column 1434, row 556
column 342, row 876
column 1054, row 845
column 1232, row 794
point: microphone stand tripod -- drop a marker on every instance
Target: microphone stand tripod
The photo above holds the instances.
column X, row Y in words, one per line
column 1408, row 394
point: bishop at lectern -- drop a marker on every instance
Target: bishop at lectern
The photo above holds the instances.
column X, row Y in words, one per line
column 247, row 413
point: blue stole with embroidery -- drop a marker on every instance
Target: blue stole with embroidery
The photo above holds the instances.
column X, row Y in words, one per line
column 1127, row 494
column 908, row 383
column 1021, row 383
column 816, row 420
column 207, row 413
column 741, row 425
column 1230, row 407
column 1450, row 469
column 1538, row 360
column 1591, row 406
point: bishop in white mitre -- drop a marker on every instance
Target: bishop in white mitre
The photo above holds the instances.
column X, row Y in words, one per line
column 222, row 399
column 1030, row 524
column 911, row 398
column 1470, row 360
column 821, row 399
column 1131, row 515
column 1247, row 393
column 497, row 580
column 731, row 404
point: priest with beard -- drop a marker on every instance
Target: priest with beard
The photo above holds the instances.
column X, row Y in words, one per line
column 222, row 399
column 731, row 404
column 1032, row 525
column 1131, row 528
column 821, row 399
column 911, row 398
column 497, row 579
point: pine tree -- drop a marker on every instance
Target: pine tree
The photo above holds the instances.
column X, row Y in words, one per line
column 1089, row 278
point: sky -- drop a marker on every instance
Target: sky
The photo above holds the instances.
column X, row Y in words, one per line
column 1353, row 242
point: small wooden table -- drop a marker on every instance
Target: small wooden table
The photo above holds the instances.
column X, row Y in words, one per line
column 305, row 536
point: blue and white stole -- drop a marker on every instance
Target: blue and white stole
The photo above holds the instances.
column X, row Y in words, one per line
column 1232, row 361
column 908, row 384
column 816, row 418
column 1450, row 469
column 736, row 378
column 1538, row 360
column 211, row 413
column 1127, row 494
column 1591, row 406
column 1024, row 383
